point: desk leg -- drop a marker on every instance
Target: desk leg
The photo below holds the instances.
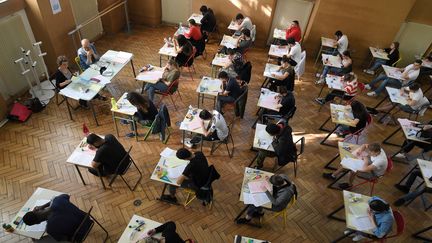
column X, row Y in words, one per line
column 407, row 174
column 331, row 215
column 321, row 128
column 336, row 180
column 143, row 87
column 135, row 126
column 241, row 213
column 253, row 160
column 386, row 114
column 327, row 166
column 400, row 150
column 94, row 112
column 199, row 97
column 323, row 142
column 79, row 173
column 390, row 136
column 344, row 236
column 417, row 234
column 133, row 67
column 319, row 53
column 160, row 60
column 101, row 179
column 115, row 124
column 202, row 141
column 183, row 134
column 322, row 88
column 379, row 103
column 264, row 83
column 68, row 107
column 214, row 102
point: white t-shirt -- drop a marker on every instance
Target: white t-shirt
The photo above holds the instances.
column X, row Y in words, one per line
column 247, row 23
column 295, row 52
column 380, row 163
column 419, row 99
column 218, row 123
column 411, row 72
column 342, row 44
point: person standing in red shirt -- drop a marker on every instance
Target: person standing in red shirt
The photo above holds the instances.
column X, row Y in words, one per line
column 194, row 33
column 294, row 31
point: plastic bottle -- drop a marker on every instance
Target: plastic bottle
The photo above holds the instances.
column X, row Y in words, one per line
column 180, row 25
column 113, row 104
column 85, row 129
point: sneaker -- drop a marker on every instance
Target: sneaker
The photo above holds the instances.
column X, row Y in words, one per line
column 350, row 233
column 370, row 72
column 319, row 81
column 188, row 144
column 372, row 111
column 368, row 87
column 124, row 122
column 402, row 188
column 243, row 221
column 344, row 186
column 169, row 198
column 328, row 176
column 318, row 75
column 365, row 70
column 399, row 202
column 372, row 94
column 85, row 106
column 103, row 98
column 130, row 135
column 358, row 237
column 320, row 101
column 257, row 214
column 401, row 156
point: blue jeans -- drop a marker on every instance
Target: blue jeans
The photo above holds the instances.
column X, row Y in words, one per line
column 335, row 70
column 222, row 100
column 378, row 63
column 386, row 81
column 151, row 88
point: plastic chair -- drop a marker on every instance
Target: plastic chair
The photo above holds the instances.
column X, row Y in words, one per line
column 398, row 61
column 87, row 217
column 126, row 162
column 400, row 227
column 217, row 143
column 207, row 189
column 150, row 130
column 78, row 63
column 172, row 89
column 301, row 66
column 373, row 181
column 282, row 213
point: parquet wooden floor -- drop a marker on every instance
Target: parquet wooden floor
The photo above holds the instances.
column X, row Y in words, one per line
column 33, row 154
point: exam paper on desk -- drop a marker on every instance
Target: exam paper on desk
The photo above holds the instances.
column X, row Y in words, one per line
column 352, row 164
column 362, row 223
column 176, row 172
column 257, row 199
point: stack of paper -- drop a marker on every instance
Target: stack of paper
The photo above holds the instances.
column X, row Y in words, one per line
column 167, row 152
column 150, row 75
column 257, row 199
column 176, row 172
column 362, row 223
column 352, row 164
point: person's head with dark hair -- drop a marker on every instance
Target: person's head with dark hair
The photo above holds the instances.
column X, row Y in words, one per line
column 33, row 217
column 417, row 64
column 374, row 149
column 183, row 153
column 203, row 9
column 205, row 115
column 414, row 87
column 246, row 32
column 338, row 34
column 273, row 129
column 429, row 58
column 378, row 205
column 291, row 41
column 239, row 18
column 223, row 76
column 285, row 61
column 139, row 101
column 181, row 39
column 349, row 77
column 282, row 90
column 94, row 141
column 192, row 22
column 346, row 54
column 394, row 45
column 278, row 181
column 358, row 108
column 231, row 52
column 296, row 23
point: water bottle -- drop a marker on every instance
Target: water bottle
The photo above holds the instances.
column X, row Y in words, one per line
column 180, row 25
column 113, row 104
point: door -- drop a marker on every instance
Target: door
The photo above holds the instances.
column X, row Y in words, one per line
column 288, row 10
column 176, row 11
column 84, row 10
column 414, row 40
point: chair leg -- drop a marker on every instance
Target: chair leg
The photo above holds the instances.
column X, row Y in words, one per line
column 106, row 232
column 295, row 168
column 372, row 188
column 172, row 100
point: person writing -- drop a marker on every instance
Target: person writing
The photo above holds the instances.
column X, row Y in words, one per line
column 349, row 90
column 208, row 21
column 184, row 51
column 194, row 33
column 194, row 176
column 283, row 190
column 168, row 232
column 294, row 31
column 231, row 91
column 170, row 74
column 217, row 128
column 244, row 42
column 285, row 103
column 63, row 219
column 392, row 55
column 294, row 54
column 87, row 54
column 341, row 42
column 242, row 23
column 109, row 154
column 146, row 111
column 284, row 76
column 345, row 67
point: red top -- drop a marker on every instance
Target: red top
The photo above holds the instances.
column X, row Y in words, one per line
column 194, row 33
column 294, row 32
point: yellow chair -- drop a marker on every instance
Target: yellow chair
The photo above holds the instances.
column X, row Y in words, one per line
column 190, row 196
column 400, row 59
column 282, row 213
column 77, row 61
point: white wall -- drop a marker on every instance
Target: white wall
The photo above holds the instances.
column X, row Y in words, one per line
column 414, row 40
column 175, row 11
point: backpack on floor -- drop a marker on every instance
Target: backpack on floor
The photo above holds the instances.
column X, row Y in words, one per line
column 35, row 105
column 19, row 112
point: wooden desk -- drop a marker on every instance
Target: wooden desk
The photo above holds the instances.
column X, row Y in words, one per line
column 168, row 169
column 392, row 72
column 340, row 115
column 279, row 34
column 168, row 51
column 196, row 17
column 326, row 43
column 333, row 82
column 125, row 112
column 229, row 42
column 331, row 61
column 219, row 61
column 39, row 197
column 131, row 233
column 244, row 239
column 278, row 51
column 378, row 53
column 151, row 77
column 82, row 156
column 233, row 26
column 344, row 149
column 191, row 123
column 209, row 88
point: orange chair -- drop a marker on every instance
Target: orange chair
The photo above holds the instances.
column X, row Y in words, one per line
column 172, row 89
column 400, row 227
column 375, row 180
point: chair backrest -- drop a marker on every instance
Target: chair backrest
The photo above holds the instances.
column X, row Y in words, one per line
column 245, row 91
column 389, row 164
column 420, row 111
column 81, row 227
column 124, row 164
column 400, row 222
column 253, row 33
column 291, row 113
column 246, row 72
column 302, row 145
column 301, row 66
column 78, row 63
column 189, row 61
column 400, row 59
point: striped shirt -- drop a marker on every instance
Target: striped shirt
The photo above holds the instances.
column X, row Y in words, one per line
column 351, row 87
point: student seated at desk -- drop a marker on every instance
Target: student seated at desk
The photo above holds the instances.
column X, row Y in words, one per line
column 406, row 188
column 426, row 68
column 184, row 51
column 146, row 111
column 283, row 191
column 109, row 153
column 235, row 66
column 244, row 43
column 217, row 129
column 425, row 134
column 170, row 74
column 393, row 57
column 231, row 91
column 243, row 23
column 194, row 176
column 286, row 102
column 63, row 77
column 374, row 165
column 361, row 117
column 350, row 90
column 341, row 42
column 63, row 219
column 294, row 54
column 409, row 75
column 168, row 231
column 87, row 54
column 287, row 78
column 194, row 33
column 283, row 145
column 415, row 101
column 208, row 21
column 294, row 31
column 345, row 67
column 381, row 216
